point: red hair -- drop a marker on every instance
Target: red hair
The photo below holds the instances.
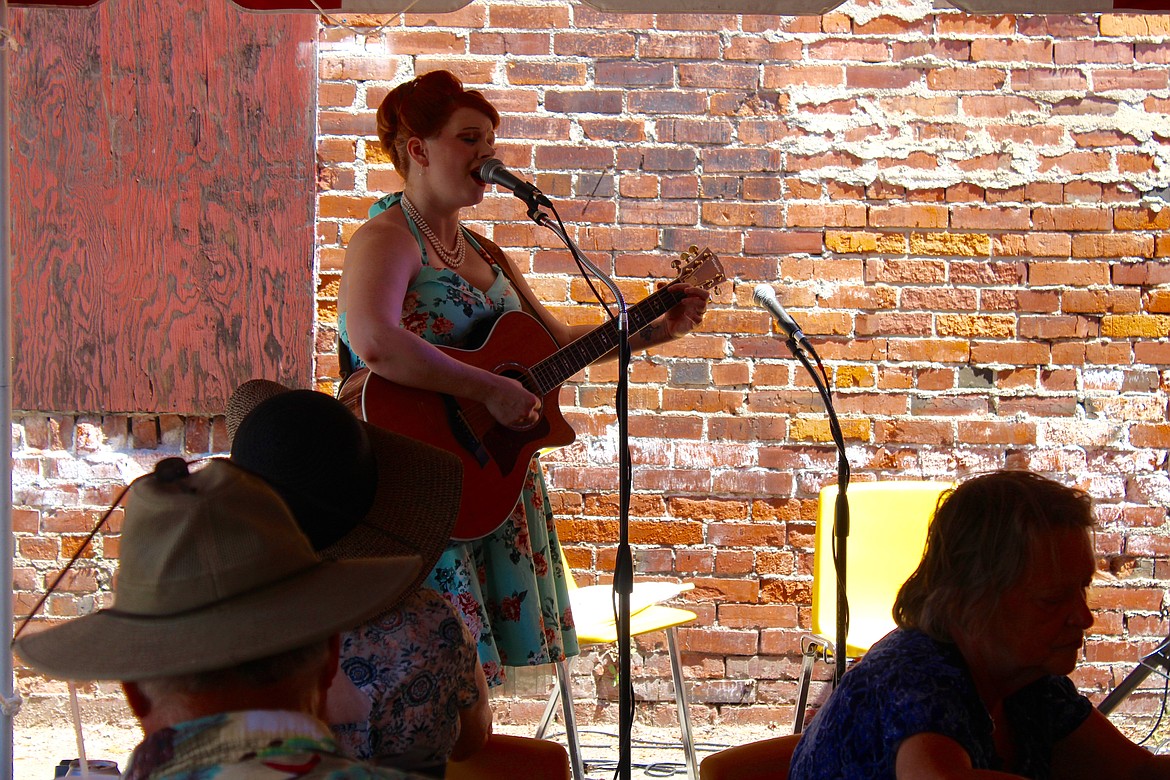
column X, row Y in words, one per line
column 419, row 109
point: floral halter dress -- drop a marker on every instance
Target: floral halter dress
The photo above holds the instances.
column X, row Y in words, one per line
column 508, row 586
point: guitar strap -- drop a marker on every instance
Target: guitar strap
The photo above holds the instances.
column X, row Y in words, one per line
column 527, row 303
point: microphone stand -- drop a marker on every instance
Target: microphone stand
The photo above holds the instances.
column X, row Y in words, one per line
column 797, row 344
column 623, row 575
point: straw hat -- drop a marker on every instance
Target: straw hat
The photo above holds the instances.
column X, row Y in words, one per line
column 356, row 490
column 213, row 573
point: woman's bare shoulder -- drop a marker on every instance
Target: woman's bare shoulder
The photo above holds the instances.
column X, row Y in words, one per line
column 382, row 238
column 386, row 225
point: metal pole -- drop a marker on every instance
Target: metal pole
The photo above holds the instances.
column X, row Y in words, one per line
column 10, row 703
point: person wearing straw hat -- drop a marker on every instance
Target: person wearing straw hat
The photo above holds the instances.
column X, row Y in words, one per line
column 224, row 629
column 410, row 692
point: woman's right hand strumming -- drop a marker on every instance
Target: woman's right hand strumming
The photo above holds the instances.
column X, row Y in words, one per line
column 511, row 404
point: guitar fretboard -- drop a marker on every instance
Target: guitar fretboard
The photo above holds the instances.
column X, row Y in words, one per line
column 555, row 370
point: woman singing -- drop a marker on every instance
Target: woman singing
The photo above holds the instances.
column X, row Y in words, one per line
column 415, row 278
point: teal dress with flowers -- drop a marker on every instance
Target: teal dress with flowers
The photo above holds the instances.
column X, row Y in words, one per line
column 508, row 586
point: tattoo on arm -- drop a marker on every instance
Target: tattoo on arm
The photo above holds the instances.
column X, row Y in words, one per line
column 654, row 333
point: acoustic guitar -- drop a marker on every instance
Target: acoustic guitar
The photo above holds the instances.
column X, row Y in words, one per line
column 495, row 457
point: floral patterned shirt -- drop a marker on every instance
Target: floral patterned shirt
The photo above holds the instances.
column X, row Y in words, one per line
column 249, row 745
column 416, row 663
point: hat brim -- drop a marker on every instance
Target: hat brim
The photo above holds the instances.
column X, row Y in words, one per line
column 417, row 497
column 415, row 503
column 314, row 604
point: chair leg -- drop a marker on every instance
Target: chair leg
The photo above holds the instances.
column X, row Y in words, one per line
column 570, row 720
column 562, row 692
column 684, row 713
column 550, row 709
column 802, row 691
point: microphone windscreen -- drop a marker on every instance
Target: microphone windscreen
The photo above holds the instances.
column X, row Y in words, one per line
column 487, row 170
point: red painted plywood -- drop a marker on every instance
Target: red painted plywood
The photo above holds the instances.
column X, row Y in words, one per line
column 163, row 204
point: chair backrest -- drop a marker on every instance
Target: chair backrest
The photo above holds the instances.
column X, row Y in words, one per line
column 887, row 534
column 506, row 757
column 764, row 760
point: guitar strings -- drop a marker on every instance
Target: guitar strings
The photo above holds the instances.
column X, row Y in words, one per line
column 546, row 375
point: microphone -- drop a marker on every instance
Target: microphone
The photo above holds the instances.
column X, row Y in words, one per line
column 766, row 297
column 493, row 172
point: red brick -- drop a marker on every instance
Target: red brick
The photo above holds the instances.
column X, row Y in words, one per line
column 756, row 615
column 338, row 68
column 785, row 592
column 722, row 641
column 527, row 16
column 510, row 43
column 540, row 73
column 1072, row 218
column 995, row 106
column 38, row 549
column 994, row 432
column 1011, row 50
column 754, row 534
column 914, row 431
column 1049, row 79
column 846, row 49
column 1116, row 245
column 946, row 79
column 908, row 216
column 720, row 590
column 1085, row 52
column 1081, row 274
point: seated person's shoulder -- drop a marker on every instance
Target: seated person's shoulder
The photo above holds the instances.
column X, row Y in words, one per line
column 911, row 666
column 907, row 684
column 428, row 615
column 422, row 612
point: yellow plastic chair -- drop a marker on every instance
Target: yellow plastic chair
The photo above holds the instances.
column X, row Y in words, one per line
column 887, row 534
column 507, row 757
column 767, row 759
column 593, row 616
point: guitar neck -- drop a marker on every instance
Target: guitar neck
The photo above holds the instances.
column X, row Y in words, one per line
column 555, row 370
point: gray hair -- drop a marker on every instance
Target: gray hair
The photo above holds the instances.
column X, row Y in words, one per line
column 981, row 541
column 257, row 673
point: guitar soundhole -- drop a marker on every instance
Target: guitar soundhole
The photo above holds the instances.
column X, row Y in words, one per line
column 520, row 374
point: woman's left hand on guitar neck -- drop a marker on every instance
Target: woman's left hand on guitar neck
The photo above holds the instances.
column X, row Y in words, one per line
column 681, row 319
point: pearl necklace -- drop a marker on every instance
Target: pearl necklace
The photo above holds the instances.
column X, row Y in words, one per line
column 452, row 257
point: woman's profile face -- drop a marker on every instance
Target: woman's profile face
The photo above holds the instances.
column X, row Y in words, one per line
column 1039, row 626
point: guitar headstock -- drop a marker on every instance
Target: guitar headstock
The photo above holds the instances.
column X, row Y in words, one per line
column 699, row 269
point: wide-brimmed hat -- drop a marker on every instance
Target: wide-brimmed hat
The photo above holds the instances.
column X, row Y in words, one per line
column 356, row 490
column 213, row 573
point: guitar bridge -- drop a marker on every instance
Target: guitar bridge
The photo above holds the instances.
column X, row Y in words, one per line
column 463, row 432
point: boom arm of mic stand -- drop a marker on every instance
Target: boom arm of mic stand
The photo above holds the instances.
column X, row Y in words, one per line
column 623, row 575
column 543, row 219
column 840, row 510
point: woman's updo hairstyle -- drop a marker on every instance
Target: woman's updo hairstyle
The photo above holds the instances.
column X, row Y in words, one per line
column 419, row 108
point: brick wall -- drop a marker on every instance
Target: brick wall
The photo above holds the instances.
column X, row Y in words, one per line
column 966, row 214
column 66, row 471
